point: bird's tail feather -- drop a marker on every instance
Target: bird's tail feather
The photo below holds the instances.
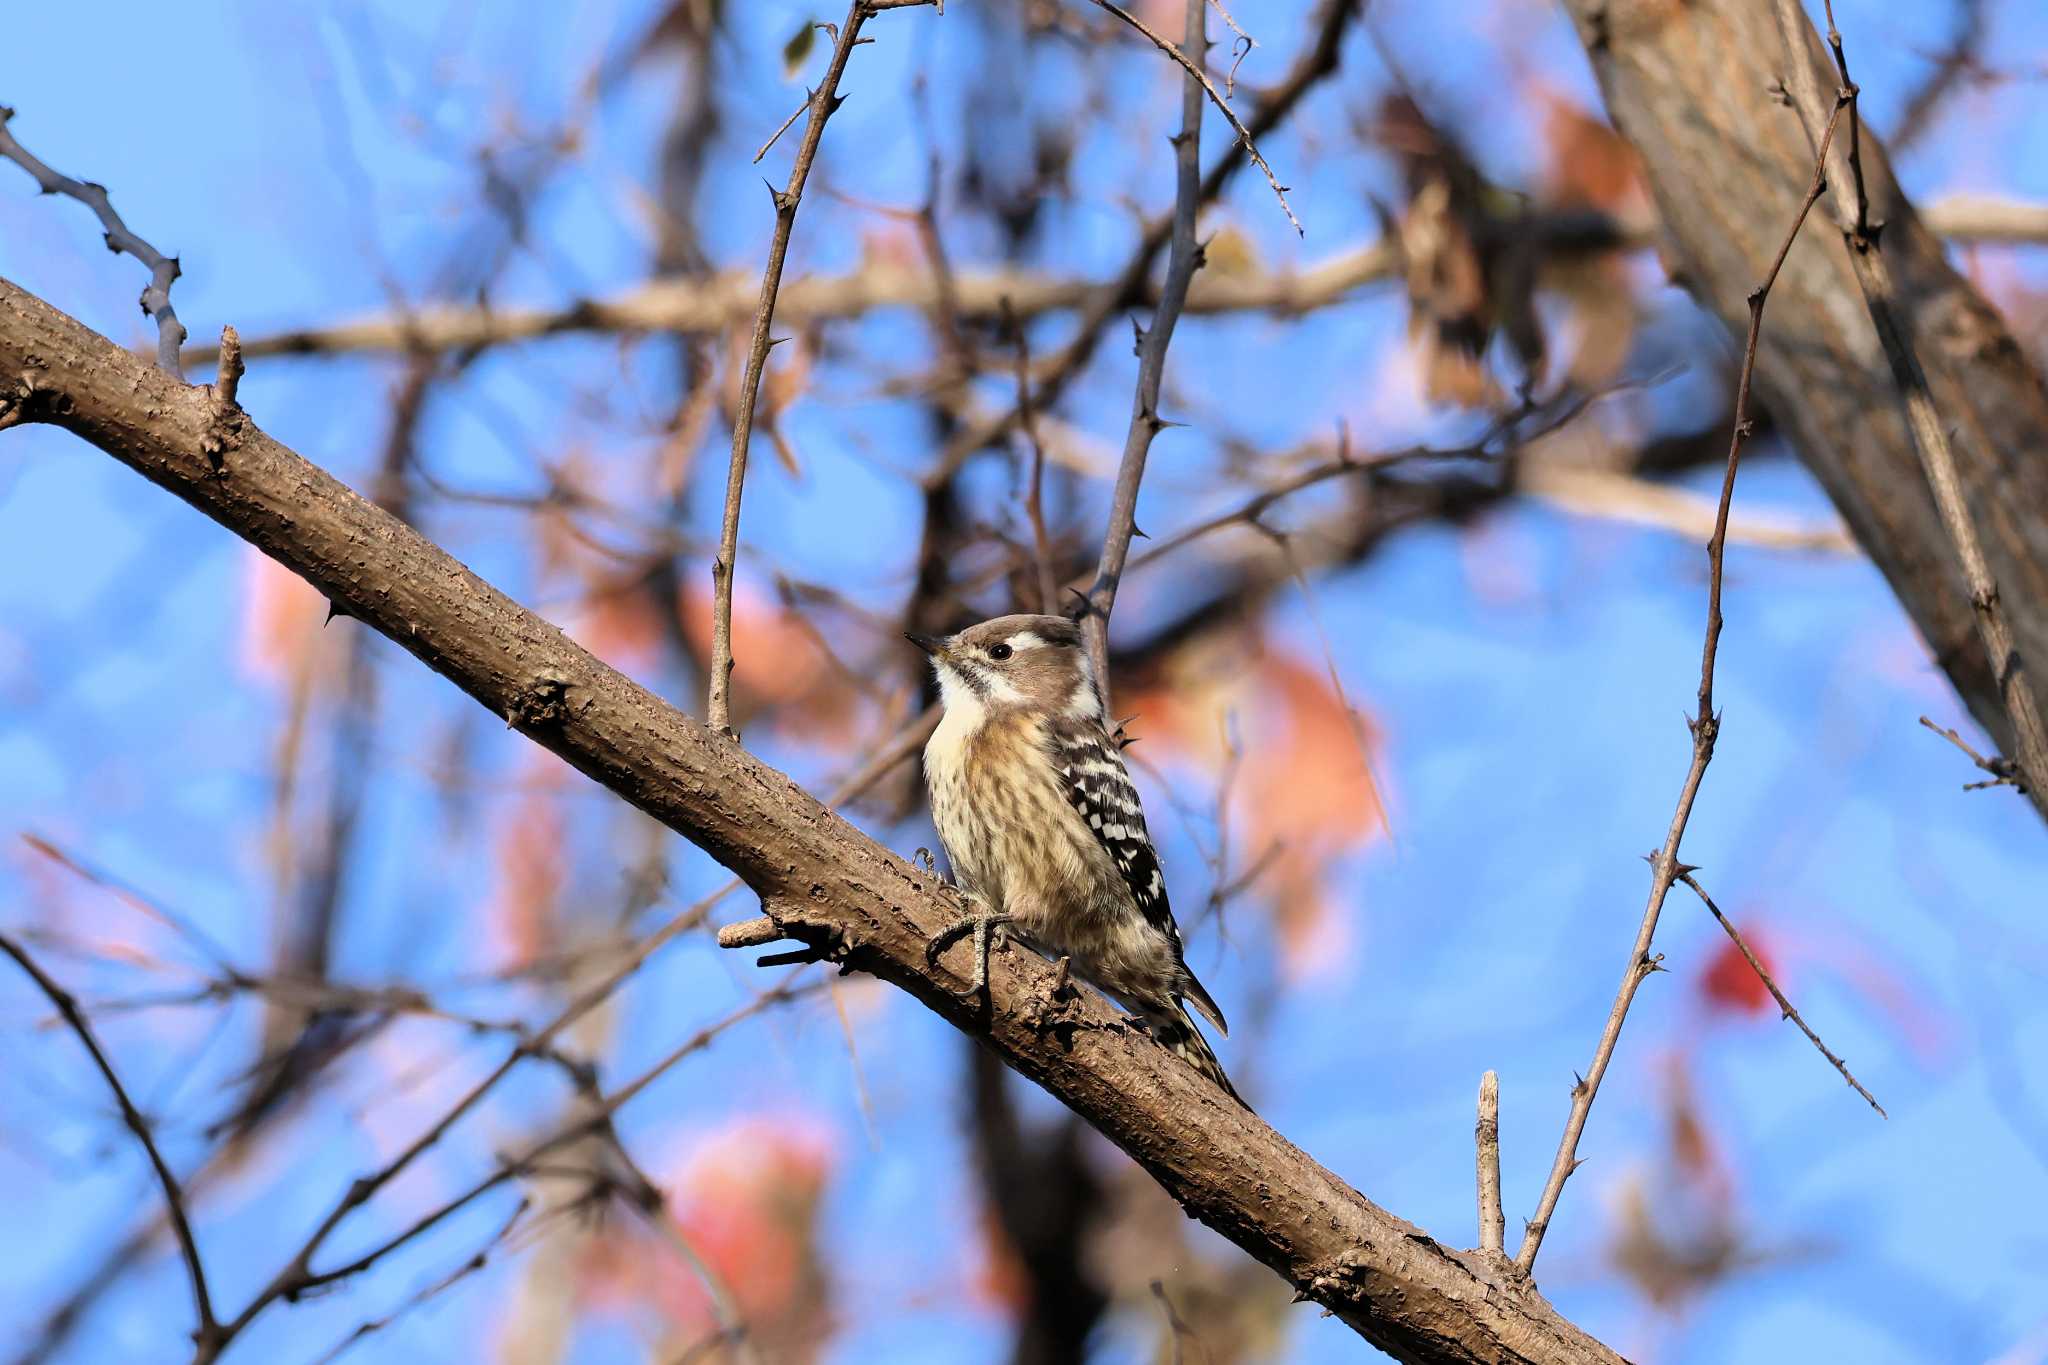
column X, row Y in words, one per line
column 1175, row 1032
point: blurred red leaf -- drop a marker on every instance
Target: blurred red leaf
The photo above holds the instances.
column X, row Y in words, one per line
column 621, row 624
column 1730, row 985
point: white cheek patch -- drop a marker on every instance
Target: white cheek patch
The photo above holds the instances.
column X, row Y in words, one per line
column 1002, row 689
column 959, row 697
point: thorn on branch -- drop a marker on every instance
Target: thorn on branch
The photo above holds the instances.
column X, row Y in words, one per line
column 1785, row 1005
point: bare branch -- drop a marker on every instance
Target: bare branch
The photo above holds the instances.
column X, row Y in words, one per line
column 1987, row 218
column 2004, row 772
column 823, row 101
column 1034, row 499
column 1486, row 1138
column 1184, row 257
column 715, row 303
column 208, row 1330
column 1705, row 725
column 595, row 1119
column 475, row 1262
column 156, row 295
column 1585, row 491
column 1191, row 57
column 718, row 302
column 1777, row 994
column 1314, row 65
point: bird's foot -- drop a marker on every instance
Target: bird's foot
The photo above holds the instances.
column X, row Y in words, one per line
column 986, row 927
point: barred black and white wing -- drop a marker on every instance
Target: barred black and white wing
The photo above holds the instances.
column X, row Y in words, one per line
column 1098, row 786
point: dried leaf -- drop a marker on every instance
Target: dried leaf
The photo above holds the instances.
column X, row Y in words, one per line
column 797, row 50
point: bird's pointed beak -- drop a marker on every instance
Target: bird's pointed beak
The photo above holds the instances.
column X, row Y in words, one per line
column 930, row 644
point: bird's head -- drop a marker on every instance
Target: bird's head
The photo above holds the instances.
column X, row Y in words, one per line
column 1037, row 663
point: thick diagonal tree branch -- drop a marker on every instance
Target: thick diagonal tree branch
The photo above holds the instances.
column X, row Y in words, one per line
column 822, row 881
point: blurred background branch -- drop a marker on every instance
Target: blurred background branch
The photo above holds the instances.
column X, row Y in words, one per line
column 1425, row 558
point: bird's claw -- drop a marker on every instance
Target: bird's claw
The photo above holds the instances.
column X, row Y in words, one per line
column 986, row 928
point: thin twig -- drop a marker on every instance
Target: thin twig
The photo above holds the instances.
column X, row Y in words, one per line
column 1176, row 1326
column 595, row 1120
column 156, row 296
column 1705, row 726
column 776, row 136
column 174, row 1195
column 1034, row 499
column 1311, row 67
column 1486, row 1139
column 1778, row 995
column 1190, row 58
column 823, row 101
column 2004, row 772
column 476, row 1261
column 1184, row 257
column 1909, row 377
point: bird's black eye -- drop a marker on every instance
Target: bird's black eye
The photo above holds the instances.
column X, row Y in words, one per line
column 999, row 652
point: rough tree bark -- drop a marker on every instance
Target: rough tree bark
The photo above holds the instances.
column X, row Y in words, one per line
column 1697, row 88
column 821, row 880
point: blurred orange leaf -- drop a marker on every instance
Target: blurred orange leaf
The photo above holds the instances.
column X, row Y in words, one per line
column 281, row 617
column 778, row 662
column 745, row 1200
column 1299, row 782
column 528, row 840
